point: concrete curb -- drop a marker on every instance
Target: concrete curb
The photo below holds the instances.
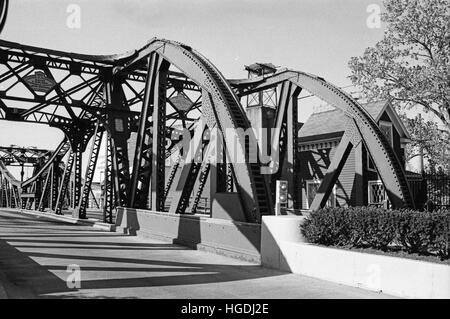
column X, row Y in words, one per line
column 70, row 220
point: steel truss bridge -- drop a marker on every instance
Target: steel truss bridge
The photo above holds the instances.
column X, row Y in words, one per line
column 153, row 93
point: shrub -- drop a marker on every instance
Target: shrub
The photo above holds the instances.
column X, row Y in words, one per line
column 327, row 227
column 441, row 238
column 380, row 228
column 416, row 232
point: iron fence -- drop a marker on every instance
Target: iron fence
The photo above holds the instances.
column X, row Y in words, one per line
column 430, row 190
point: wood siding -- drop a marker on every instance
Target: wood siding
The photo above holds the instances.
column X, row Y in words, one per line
column 350, row 190
column 314, row 164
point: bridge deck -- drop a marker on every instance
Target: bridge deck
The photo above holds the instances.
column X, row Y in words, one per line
column 35, row 254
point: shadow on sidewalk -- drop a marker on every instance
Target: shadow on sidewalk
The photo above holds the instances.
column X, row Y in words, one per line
column 141, row 265
column 22, row 277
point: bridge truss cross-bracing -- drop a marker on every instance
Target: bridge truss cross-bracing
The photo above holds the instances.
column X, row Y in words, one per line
column 169, row 125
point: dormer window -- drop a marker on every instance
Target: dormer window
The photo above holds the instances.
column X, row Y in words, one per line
column 387, row 129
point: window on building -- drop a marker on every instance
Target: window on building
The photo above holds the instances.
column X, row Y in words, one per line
column 312, row 186
column 376, row 193
column 253, row 99
column 387, row 129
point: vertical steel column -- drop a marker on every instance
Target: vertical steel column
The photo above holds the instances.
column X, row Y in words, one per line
column 159, row 138
column 16, row 196
column 45, row 191
column 142, row 162
column 222, row 173
column 77, row 179
column 37, row 192
column 2, row 191
column 359, row 176
column 120, row 132
column 284, row 141
column 54, row 183
column 90, row 170
column 8, row 194
column 289, row 169
column 64, row 184
column 29, row 200
column 108, row 190
column 217, row 173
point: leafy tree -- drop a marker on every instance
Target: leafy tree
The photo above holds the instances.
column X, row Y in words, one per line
column 429, row 141
column 410, row 65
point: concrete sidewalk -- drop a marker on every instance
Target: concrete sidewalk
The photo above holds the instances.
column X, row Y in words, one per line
column 37, row 257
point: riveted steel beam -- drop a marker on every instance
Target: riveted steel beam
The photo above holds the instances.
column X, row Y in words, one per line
column 90, row 170
column 387, row 163
column 109, row 186
column 334, row 169
column 158, row 98
column 185, row 181
column 142, row 163
column 64, row 183
column 284, row 137
column 119, row 130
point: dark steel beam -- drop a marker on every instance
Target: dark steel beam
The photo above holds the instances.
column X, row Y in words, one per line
column 158, row 137
column 90, row 170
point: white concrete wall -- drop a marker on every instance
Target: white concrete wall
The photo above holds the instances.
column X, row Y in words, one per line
column 282, row 249
column 274, row 230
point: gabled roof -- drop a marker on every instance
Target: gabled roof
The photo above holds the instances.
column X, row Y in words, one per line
column 375, row 109
column 331, row 124
column 323, row 125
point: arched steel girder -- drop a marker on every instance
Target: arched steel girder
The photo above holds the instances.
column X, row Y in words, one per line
column 362, row 125
column 224, row 108
column 60, row 151
column 3, row 13
column 7, row 174
column 225, row 111
column 41, row 187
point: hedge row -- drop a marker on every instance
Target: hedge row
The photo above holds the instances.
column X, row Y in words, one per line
column 415, row 232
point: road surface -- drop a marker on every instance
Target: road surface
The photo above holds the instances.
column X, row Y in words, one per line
column 44, row 259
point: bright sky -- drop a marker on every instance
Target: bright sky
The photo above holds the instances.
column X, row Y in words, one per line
column 316, row 36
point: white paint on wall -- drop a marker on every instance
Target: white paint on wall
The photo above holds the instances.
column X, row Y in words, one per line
column 282, row 249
